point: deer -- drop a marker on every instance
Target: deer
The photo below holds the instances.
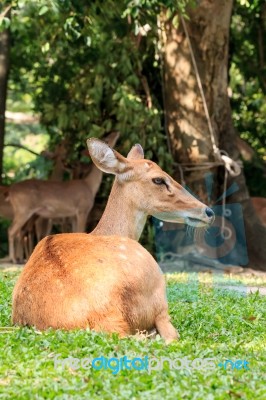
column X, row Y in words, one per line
column 106, row 280
column 25, row 236
column 52, row 199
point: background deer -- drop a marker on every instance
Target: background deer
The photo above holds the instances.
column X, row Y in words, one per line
column 106, row 280
column 51, row 199
column 34, row 225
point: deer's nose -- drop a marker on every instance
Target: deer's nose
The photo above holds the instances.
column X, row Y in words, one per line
column 209, row 212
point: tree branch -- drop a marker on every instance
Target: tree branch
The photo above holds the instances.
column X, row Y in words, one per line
column 146, row 90
column 20, row 146
column 5, row 12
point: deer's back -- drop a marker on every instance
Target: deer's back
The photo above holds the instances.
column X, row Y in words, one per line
column 45, row 197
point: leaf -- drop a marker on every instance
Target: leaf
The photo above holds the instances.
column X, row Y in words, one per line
column 46, row 47
column 88, row 41
column 4, row 23
column 43, row 10
column 175, row 21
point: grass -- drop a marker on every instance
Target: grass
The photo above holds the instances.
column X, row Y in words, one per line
column 212, row 322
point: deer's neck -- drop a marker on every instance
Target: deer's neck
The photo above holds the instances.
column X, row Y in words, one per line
column 120, row 217
column 57, row 172
column 94, row 179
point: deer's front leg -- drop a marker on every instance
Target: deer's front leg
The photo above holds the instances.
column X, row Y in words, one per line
column 165, row 328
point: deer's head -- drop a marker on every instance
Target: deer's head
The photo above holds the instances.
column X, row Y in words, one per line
column 149, row 188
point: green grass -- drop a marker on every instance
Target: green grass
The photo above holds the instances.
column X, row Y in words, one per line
column 212, row 322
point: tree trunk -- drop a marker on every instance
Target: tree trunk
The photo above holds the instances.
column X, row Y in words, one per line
column 208, row 29
column 4, row 70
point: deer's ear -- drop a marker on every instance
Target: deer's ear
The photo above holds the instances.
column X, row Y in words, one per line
column 136, row 153
column 105, row 158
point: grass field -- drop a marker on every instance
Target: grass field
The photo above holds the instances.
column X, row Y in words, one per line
column 213, row 323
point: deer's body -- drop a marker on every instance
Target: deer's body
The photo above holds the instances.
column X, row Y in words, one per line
column 81, row 290
column 106, row 280
column 36, row 197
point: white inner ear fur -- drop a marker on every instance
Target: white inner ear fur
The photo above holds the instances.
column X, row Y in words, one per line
column 125, row 176
column 109, row 159
column 103, row 154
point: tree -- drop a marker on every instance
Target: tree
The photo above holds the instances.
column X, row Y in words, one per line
column 208, row 29
column 4, row 70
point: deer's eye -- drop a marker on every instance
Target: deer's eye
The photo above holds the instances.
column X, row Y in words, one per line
column 159, row 181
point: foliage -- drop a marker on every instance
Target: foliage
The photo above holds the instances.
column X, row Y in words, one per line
column 248, row 71
column 84, row 84
column 220, row 324
column 20, row 163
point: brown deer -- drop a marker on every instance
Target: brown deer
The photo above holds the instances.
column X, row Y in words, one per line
column 42, row 227
column 106, row 280
column 51, row 199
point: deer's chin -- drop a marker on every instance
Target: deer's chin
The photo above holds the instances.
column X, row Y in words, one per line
column 182, row 218
column 197, row 223
column 169, row 217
